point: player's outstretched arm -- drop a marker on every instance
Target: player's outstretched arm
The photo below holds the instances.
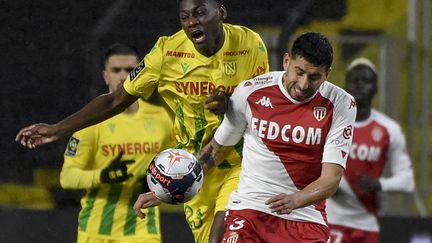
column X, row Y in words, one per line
column 322, row 188
column 145, row 200
column 212, row 154
column 97, row 110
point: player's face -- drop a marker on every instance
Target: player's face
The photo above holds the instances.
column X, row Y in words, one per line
column 117, row 68
column 361, row 84
column 302, row 79
column 201, row 20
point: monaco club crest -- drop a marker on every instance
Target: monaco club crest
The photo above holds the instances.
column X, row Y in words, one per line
column 319, row 112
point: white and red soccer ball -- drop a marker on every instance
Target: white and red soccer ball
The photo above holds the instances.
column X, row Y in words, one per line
column 175, row 176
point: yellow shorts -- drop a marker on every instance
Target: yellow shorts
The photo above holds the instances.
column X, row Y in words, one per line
column 213, row 197
column 85, row 238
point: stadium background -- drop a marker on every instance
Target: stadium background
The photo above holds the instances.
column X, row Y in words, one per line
column 51, row 62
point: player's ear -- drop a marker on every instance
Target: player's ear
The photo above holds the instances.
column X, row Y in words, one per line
column 222, row 12
column 104, row 75
column 286, row 60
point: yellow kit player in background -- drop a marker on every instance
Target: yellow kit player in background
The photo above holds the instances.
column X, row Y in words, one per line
column 192, row 70
column 93, row 161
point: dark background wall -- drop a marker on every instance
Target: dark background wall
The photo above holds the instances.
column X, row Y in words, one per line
column 51, row 58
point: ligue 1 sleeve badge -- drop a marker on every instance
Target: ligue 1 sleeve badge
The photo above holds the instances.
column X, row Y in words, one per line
column 72, row 146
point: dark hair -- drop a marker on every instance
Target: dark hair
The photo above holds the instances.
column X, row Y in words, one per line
column 120, row 49
column 219, row 2
column 315, row 48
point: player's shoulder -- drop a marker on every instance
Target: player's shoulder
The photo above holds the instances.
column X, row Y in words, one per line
column 384, row 120
column 261, row 81
column 335, row 93
column 175, row 39
column 241, row 32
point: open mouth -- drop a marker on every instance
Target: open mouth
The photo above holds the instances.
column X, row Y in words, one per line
column 198, row 36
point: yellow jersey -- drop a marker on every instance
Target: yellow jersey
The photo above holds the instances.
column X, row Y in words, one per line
column 107, row 208
column 185, row 78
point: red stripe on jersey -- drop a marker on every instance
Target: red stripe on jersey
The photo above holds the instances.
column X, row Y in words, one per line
column 291, row 131
column 367, row 156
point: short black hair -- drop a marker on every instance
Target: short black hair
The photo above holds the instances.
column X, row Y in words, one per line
column 120, row 49
column 315, row 48
column 219, row 2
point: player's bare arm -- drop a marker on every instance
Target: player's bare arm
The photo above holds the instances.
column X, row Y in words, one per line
column 145, row 200
column 97, row 110
column 213, row 154
column 322, row 188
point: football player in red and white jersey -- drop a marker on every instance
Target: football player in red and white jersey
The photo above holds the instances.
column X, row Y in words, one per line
column 378, row 141
column 297, row 129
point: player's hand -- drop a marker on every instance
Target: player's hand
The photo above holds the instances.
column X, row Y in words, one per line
column 281, row 204
column 145, row 200
column 368, row 184
column 37, row 134
column 116, row 171
column 205, row 157
column 217, row 102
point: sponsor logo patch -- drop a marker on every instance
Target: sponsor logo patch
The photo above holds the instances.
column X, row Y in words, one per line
column 72, row 146
column 247, row 83
column 353, row 104
column 347, row 133
column 136, row 71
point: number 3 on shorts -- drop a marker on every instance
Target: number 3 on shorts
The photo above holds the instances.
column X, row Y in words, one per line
column 236, row 224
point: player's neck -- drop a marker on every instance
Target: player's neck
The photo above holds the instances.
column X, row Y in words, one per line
column 210, row 50
column 363, row 113
column 132, row 109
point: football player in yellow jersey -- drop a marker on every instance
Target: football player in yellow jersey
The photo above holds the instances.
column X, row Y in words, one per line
column 93, row 161
column 192, row 70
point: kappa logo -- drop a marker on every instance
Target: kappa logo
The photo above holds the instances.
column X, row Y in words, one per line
column 265, row 101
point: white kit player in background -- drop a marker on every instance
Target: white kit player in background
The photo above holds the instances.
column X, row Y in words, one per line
column 297, row 129
column 378, row 141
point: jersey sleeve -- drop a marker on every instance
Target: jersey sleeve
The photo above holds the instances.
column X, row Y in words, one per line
column 77, row 172
column 339, row 138
column 143, row 80
column 402, row 175
column 261, row 64
column 231, row 130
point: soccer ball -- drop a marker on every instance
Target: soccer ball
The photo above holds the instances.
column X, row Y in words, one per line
column 175, row 176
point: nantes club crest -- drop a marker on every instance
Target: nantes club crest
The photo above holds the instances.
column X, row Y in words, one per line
column 230, row 68
column 319, row 112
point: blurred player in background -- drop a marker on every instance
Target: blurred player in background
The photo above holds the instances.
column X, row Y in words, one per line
column 378, row 141
column 93, row 161
column 194, row 70
column 297, row 130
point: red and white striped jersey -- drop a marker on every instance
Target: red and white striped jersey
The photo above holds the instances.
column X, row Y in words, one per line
column 377, row 141
column 285, row 141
